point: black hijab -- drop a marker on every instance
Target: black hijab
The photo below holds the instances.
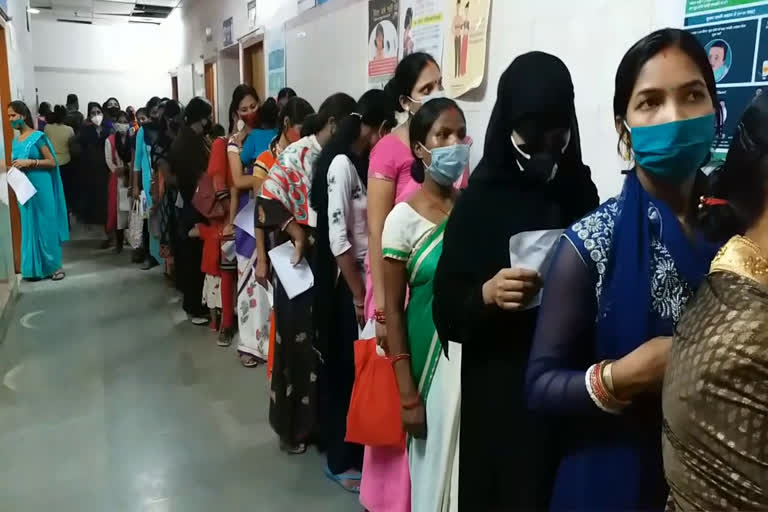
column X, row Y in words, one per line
column 502, row 201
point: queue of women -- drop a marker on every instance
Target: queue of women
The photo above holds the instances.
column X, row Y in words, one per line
column 628, row 376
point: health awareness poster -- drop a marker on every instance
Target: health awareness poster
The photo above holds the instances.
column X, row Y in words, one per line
column 735, row 35
column 421, row 27
column 382, row 41
column 275, row 61
column 466, row 42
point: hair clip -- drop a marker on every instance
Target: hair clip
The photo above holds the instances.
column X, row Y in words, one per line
column 705, row 202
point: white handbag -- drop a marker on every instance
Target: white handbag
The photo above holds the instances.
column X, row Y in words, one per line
column 136, row 225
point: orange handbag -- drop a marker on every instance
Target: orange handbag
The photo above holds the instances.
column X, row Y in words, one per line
column 374, row 417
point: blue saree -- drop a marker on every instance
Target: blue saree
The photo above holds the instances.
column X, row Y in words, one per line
column 622, row 275
column 44, row 220
column 143, row 164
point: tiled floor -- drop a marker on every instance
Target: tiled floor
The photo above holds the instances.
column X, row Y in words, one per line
column 111, row 402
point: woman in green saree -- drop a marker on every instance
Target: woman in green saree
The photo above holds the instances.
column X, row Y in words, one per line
column 412, row 243
column 715, row 398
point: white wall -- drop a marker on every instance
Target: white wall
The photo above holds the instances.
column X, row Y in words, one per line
column 324, row 55
column 95, row 62
column 19, row 43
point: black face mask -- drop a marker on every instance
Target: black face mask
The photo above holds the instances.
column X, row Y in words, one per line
column 540, row 160
column 113, row 112
column 539, row 167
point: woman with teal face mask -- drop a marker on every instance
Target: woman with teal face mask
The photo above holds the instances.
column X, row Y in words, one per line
column 412, row 242
column 620, row 281
column 44, row 224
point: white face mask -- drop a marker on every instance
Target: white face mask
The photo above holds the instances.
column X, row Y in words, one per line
column 434, row 95
column 122, row 127
column 97, row 119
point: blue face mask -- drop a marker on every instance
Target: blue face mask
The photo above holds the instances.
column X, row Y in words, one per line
column 673, row 150
column 448, row 162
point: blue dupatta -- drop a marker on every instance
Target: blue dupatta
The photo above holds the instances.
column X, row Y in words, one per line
column 640, row 260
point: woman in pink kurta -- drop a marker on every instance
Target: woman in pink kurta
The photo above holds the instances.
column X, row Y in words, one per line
column 386, row 484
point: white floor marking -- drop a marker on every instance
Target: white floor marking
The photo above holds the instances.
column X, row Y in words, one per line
column 25, row 320
column 9, row 379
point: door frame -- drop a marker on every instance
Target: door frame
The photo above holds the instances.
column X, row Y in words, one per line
column 6, row 96
column 250, row 39
column 214, row 95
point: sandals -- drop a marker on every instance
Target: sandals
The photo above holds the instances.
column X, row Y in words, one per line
column 58, row 275
column 249, row 360
column 225, row 338
column 342, row 477
column 297, row 449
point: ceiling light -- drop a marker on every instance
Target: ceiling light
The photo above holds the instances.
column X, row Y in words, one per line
column 32, row 10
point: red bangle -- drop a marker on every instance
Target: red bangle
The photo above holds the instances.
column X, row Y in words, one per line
column 399, row 357
column 378, row 315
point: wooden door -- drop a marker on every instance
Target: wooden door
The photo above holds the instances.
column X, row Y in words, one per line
column 175, row 88
column 210, row 86
column 5, row 99
column 254, row 68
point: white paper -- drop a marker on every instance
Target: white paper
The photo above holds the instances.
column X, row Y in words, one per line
column 295, row 279
column 4, row 188
column 245, row 218
column 369, row 331
column 534, row 250
column 22, row 187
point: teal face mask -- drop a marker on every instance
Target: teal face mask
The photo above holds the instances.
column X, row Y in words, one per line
column 17, row 124
column 673, row 150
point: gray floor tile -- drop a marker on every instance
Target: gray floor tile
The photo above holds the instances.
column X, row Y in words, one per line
column 109, row 402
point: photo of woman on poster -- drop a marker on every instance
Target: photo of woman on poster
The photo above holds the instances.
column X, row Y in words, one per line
column 458, row 25
column 379, row 41
column 408, row 44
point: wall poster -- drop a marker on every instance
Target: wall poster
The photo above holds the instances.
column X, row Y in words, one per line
column 421, row 27
column 228, row 38
column 466, row 42
column 251, row 6
column 382, row 41
column 303, row 5
column 275, row 61
column 735, row 35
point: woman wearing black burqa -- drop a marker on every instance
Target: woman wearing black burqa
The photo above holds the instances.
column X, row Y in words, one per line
column 531, row 178
column 188, row 159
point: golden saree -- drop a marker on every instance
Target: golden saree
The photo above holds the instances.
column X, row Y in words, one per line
column 715, row 399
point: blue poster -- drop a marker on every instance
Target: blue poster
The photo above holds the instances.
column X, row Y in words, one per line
column 731, row 50
column 735, row 37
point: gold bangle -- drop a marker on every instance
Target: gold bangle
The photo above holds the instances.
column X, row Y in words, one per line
column 608, row 377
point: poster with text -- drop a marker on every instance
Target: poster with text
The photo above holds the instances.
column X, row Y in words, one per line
column 731, row 49
column 734, row 33
column 465, row 46
column 382, row 41
column 696, row 6
column 421, row 28
column 275, row 61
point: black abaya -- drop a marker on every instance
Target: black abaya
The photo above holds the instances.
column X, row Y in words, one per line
column 508, row 456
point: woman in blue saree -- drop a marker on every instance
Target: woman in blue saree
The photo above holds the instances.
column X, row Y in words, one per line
column 44, row 221
column 620, row 280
